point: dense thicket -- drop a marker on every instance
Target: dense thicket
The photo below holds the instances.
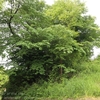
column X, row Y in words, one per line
column 45, row 42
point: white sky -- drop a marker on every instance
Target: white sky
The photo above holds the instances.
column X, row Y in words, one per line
column 93, row 8
column 49, row 2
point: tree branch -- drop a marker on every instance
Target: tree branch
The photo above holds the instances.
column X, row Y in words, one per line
column 10, row 20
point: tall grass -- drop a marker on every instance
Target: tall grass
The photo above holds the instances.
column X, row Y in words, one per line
column 74, row 88
column 85, row 83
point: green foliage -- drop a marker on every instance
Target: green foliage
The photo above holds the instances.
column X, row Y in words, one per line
column 74, row 88
column 72, row 14
column 66, row 12
column 84, row 84
column 3, row 76
column 46, row 43
column 1, row 4
column 3, row 80
column 46, row 51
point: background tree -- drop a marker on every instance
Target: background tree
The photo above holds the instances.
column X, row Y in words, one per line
column 72, row 14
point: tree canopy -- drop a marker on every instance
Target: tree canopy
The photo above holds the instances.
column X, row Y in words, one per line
column 46, row 42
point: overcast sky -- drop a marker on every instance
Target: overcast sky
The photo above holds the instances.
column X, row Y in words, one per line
column 93, row 8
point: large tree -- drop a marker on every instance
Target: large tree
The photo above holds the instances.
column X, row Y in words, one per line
column 73, row 15
column 46, row 42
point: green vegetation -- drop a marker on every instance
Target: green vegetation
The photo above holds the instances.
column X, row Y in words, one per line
column 84, row 84
column 1, row 3
column 50, row 49
column 3, row 80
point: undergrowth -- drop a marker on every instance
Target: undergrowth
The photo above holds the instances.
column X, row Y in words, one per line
column 85, row 84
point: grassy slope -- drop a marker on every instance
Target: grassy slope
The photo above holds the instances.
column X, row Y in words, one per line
column 85, row 85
